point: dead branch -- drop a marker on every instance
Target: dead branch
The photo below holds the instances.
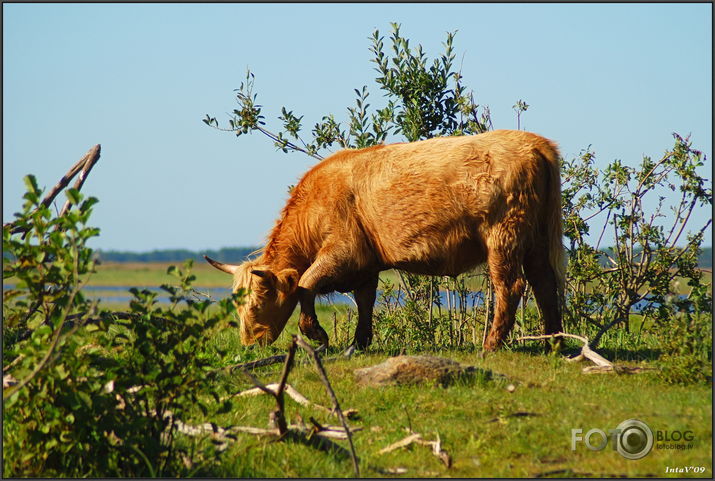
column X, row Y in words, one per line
column 297, row 340
column 84, row 165
column 401, row 443
column 223, row 436
column 586, row 351
column 418, row 439
column 296, row 396
column 91, row 158
column 278, row 418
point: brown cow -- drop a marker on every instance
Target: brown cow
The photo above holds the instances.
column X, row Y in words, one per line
column 440, row 207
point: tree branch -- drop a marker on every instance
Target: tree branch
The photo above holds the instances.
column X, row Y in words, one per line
column 85, row 165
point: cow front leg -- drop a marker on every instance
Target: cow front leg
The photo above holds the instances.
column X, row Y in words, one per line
column 320, row 273
column 308, row 323
column 365, row 300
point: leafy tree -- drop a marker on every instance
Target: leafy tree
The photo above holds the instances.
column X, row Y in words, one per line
column 653, row 248
column 423, row 100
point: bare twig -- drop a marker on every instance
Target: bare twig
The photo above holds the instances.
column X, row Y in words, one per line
column 418, row 439
column 85, row 164
column 296, row 396
column 92, row 157
column 19, row 358
column 277, row 416
column 401, row 443
column 321, row 370
column 586, row 351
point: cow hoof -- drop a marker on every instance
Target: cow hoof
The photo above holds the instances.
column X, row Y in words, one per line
column 315, row 332
column 362, row 343
column 491, row 345
column 318, row 334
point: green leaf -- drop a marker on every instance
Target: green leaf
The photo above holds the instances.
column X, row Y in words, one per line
column 73, row 195
column 31, row 185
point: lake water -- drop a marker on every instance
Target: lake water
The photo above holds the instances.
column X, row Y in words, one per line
column 121, row 294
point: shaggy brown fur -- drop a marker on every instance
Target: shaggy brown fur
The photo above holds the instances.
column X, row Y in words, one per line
column 440, row 207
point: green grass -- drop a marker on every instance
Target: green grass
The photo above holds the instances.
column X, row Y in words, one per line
column 481, row 424
column 153, row 274
column 476, row 422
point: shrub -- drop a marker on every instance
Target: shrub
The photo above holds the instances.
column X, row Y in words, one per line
column 96, row 393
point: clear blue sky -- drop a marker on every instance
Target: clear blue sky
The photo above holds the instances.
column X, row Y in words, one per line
column 138, row 79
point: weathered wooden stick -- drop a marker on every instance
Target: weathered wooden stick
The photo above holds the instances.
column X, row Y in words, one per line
column 586, row 351
column 290, row 390
column 401, row 443
column 297, row 397
column 321, row 370
column 225, row 435
column 84, row 164
column 417, row 438
column 91, row 158
column 618, row 369
column 278, row 416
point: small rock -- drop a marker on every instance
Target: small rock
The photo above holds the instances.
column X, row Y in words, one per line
column 416, row 369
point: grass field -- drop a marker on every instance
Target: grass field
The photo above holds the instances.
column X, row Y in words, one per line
column 153, row 274
column 487, row 430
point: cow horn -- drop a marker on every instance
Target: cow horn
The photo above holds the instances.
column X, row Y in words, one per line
column 227, row 268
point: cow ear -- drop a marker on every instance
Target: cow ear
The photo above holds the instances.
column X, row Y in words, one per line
column 266, row 275
column 287, row 281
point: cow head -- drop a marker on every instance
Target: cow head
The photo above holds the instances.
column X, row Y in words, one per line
column 269, row 301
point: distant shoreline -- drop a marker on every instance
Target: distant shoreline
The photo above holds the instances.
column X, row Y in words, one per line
column 237, row 255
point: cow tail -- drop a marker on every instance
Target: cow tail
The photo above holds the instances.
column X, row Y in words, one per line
column 554, row 222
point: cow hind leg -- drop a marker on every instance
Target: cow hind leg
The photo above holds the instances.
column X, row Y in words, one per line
column 542, row 279
column 508, row 285
column 365, row 300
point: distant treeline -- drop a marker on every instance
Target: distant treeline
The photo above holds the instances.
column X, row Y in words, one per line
column 239, row 254
column 226, row 254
